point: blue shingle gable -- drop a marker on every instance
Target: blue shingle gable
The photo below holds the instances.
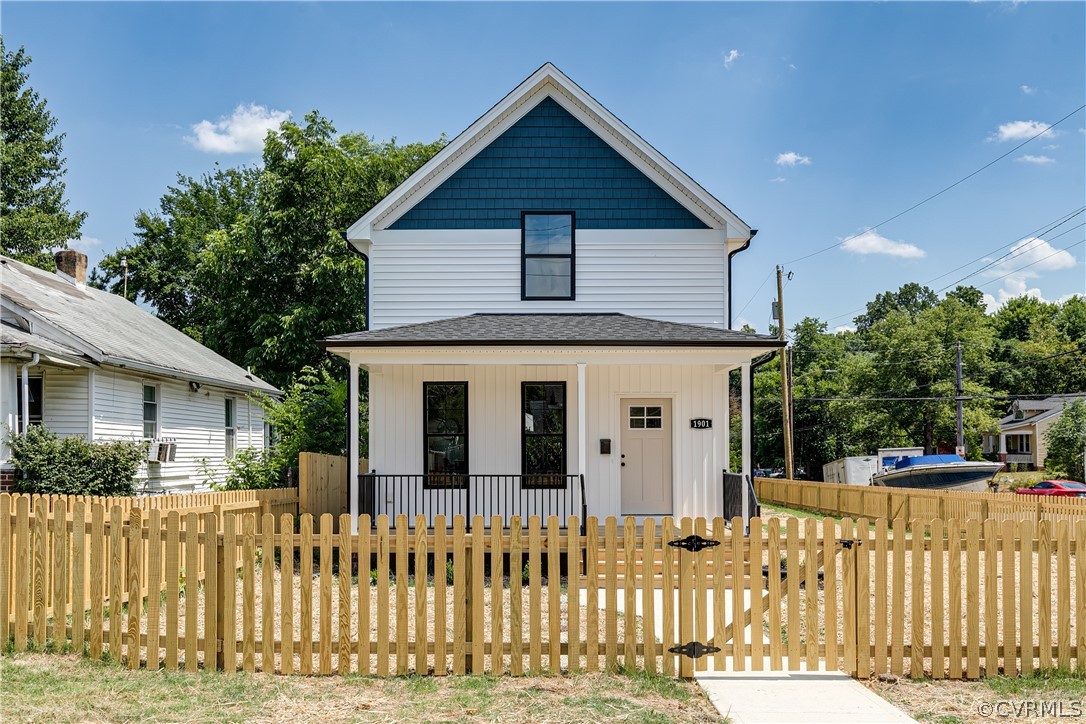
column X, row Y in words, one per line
column 548, row 161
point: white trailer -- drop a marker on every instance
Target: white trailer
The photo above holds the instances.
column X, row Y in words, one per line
column 888, row 456
column 851, row 471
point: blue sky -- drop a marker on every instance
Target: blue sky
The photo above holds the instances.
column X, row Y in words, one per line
column 812, row 121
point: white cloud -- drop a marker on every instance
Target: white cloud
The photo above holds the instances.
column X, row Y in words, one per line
column 1023, row 130
column 871, row 242
column 844, row 328
column 85, row 244
column 791, row 158
column 730, row 57
column 1028, row 90
column 791, row 66
column 1025, row 261
column 241, row 132
column 777, row 180
column 1039, row 160
column 1052, row 147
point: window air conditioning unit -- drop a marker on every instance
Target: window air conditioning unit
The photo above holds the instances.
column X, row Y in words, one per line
column 162, row 451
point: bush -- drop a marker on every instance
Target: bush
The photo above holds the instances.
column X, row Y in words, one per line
column 73, row 466
column 250, row 469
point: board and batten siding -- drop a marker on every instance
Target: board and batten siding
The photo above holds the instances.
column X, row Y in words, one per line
column 676, row 275
column 495, row 422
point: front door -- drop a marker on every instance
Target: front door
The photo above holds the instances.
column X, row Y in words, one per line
column 646, row 457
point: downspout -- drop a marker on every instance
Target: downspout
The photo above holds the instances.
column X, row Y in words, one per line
column 753, row 233
column 25, row 412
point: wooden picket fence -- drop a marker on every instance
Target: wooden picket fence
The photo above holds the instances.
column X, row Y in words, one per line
column 867, row 501
column 950, row 598
column 70, row 508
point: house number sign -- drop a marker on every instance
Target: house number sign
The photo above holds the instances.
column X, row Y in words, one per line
column 701, row 423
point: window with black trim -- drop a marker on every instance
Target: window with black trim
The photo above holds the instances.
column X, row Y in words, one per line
column 36, row 388
column 547, row 266
column 543, row 437
column 445, row 436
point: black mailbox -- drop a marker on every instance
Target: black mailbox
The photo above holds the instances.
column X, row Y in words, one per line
column 605, row 446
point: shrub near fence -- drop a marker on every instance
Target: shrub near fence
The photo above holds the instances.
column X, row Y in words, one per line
column 885, row 502
column 951, row 598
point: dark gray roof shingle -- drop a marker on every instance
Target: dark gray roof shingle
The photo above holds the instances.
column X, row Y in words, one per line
column 551, row 329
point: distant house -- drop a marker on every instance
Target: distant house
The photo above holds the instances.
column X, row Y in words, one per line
column 85, row 362
column 550, row 327
column 1021, row 436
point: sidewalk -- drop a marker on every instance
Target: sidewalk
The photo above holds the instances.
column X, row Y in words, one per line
column 795, row 697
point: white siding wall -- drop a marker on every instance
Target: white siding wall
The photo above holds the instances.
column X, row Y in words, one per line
column 64, row 399
column 495, row 423
column 196, row 420
column 673, row 275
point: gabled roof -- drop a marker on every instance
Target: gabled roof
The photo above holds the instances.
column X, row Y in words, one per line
column 550, row 82
column 1050, row 407
column 559, row 329
column 104, row 328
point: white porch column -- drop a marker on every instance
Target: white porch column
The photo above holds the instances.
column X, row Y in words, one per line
column 1002, row 443
column 352, row 442
column 744, row 370
column 582, row 422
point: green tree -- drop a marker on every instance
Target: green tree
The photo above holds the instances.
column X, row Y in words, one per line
column 1067, row 441
column 34, row 216
column 911, row 299
column 169, row 241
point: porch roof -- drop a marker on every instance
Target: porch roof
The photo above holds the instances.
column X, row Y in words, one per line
column 555, row 329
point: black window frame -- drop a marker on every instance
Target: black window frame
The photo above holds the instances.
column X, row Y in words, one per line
column 38, row 402
column 572, row 256
column 443, row 481
column 544, row 481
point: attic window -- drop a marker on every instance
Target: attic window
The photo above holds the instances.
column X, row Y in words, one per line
column 547, row 255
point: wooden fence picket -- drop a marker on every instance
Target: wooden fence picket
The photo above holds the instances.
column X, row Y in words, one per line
column 7, row 548
column 629, row 590
column 267, row 592
column 773, row 555
column 346, row 549
column 402, row 560
column 116, row 576
column 211, row 590
column 954, row 596
column 173, row 584
column 229, row 594
column 810, row 555
column 440, row 597
column 1010, row 637
column 41, row 564
column 154, row 584
column 573, row 594
column 478, row 566
column 721, row 554
column 667, row 583
column 22, row 564
column 460, row 599
column 286, row 592
column 938, row 650
column 248, row 594
column 897, row 599
column 701, row 599
column 305, row 595
column 686, row 592
column 648, row 593
column 516, row 601
column 972, row 598
column 738, row 641
column 610, row 545
column 792, row 581
column 1025, row 599
column 916, row 602
column 421, row 558
column 497, row 597
column 881, row 638
column 757, row 637
column 1063, row 594
column 324, row 627
column 1044, row 594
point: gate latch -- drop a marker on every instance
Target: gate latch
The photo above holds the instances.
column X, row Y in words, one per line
column 694, row 543
column 694, row 649
column 847, row 543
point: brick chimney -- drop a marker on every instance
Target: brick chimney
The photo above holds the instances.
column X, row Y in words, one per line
column 72, row 266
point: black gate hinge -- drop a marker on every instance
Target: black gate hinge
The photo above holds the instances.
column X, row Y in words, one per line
column 694, row 649
column 694, row 543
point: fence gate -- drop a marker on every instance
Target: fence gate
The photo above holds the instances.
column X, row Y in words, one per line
column 774, row 596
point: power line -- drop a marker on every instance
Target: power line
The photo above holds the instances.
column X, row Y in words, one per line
column 1038, row 261
column 938, row 193
column 1021, row 251
column 752, row 296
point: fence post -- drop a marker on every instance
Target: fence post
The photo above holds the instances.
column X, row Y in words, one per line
column 469, row 608
column 220, row 594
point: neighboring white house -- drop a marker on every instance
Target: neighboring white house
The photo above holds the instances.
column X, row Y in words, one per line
column 85, row 362
column 549, row 302
column 1021, row 437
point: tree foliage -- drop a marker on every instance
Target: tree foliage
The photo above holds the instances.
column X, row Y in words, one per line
column 34, row 216
column 1067, row 441
column 251, row 263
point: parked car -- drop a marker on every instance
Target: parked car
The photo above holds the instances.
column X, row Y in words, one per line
column 1056, row 488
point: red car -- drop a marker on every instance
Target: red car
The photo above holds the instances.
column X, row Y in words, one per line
column 1056, row 488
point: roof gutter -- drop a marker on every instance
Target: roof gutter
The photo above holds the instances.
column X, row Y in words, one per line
column 366, row 291
column 753, row 233
column 181, row 375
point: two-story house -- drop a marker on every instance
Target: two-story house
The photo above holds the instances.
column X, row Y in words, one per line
column 549, row 329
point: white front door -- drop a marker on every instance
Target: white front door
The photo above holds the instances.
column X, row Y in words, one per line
column 646, row 457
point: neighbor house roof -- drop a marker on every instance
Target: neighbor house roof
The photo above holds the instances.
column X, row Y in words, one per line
column 63, row 318
column 550, row 82
column 1050, row 407
column 577, row 330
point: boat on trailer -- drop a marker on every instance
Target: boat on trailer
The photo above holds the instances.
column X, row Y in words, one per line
column 938, row 472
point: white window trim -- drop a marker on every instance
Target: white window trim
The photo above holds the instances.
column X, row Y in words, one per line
column 158, row 410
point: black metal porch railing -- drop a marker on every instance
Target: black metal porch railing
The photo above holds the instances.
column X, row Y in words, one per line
column 735, row 485
column 470, row 495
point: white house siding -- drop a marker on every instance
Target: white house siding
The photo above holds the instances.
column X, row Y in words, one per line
column 495, row 421
column 677, row 275
column 64, row 399
column 195, row 420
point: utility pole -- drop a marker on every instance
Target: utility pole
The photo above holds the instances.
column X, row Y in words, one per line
column 958, row 401
column 124, row 267
column 786, row 382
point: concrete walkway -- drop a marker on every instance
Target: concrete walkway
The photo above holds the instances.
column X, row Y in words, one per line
column 796, row 697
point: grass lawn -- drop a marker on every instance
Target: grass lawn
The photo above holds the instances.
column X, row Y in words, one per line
column 42, row 687
column 951, row 702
